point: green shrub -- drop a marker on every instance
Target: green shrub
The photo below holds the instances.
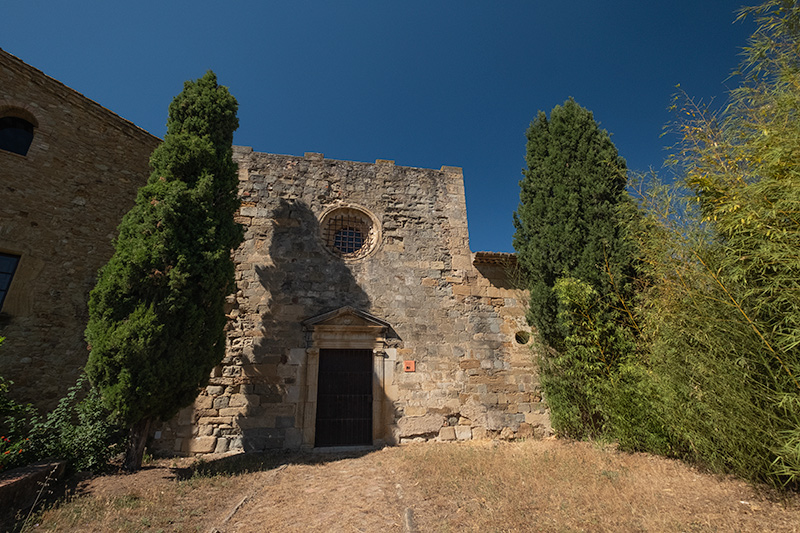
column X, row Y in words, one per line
column 13, row 430
column 80, row 430
column 599, row 385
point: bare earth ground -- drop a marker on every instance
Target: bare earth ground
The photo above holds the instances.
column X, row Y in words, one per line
column 496, row 486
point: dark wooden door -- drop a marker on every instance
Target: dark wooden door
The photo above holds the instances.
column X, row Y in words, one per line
column 344, row 398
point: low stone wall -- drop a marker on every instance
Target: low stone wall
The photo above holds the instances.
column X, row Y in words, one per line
column 20, row 487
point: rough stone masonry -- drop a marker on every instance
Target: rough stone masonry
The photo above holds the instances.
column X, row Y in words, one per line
column 374, row 259
column 360, row 315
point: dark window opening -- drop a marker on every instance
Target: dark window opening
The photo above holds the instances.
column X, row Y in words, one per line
column 8, row 265
column 16, row 135
column 348, row 240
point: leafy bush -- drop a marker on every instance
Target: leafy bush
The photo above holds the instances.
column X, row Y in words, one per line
column 80, row 430
column 13, row 438
column 599, row 386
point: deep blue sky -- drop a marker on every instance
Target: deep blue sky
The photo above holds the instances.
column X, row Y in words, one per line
column 426, row 83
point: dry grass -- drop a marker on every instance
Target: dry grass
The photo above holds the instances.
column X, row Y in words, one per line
column 574, row 486
column 529, row 486
column 152, row 500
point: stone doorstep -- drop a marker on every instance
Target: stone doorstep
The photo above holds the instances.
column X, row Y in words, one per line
column 20, row 487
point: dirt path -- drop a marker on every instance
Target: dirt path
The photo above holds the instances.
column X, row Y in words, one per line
column 353, row 494
column 496, row 487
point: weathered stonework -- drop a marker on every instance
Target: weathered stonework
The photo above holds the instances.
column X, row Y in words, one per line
column 371, row 259
column 59, row 208
column 420, row 295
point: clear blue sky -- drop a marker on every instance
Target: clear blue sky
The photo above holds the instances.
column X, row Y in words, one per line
column 424, row 82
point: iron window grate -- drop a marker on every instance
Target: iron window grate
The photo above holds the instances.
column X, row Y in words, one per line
column 347, row 234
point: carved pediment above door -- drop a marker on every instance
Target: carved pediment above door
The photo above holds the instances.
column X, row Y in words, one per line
column 346, row 327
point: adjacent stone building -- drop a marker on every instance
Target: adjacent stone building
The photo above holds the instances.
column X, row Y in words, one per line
column 69, row 170
column 360, row 316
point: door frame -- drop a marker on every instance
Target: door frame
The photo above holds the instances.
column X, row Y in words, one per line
column 348, row 328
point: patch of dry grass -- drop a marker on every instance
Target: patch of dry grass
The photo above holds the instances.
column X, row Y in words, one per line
column 151, row 500
column 576, row 486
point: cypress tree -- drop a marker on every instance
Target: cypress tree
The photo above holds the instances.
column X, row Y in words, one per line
column 156, row 315
column 566, row 223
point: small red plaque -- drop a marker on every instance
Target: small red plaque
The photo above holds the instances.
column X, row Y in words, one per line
column 409, row 366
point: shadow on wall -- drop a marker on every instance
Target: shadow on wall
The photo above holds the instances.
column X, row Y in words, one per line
column 305, row 279
column 300, row 279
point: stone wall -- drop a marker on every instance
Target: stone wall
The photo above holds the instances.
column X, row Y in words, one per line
column 61, row 204
column 438, row 323
column 416, row 297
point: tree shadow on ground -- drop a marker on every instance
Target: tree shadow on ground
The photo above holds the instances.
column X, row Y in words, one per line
column 265, row 461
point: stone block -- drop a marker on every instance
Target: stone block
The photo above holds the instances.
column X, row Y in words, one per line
column 234, row 411
column 263, row 371
column 284, row 422
column 254, row 421
column 463, row 290
column 235, row 443
column 538, row 419
column 202, row 445
column 447, row 433
column 495, row 421
column 292, row 394
column 420, row 425
column 203, row 402
column 479, row 433
column 222, row 445
column 413, row 410
column 463, row 432
column 293, row 438
column 221, row 402
column 214, row 420
column 240, row 400
column 462, row 262
column 297, row 356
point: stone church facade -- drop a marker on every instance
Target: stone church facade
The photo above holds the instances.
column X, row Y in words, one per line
column 360, row 316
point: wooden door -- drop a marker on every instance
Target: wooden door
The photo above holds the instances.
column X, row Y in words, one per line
column 344, row 398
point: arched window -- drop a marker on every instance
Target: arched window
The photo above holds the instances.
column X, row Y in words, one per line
column 16, row 134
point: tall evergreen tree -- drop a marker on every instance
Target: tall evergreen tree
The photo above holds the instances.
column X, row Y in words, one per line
column 156, row 314
column 566, row 223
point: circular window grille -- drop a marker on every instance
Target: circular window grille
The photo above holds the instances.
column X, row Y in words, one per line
column 349, row 232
